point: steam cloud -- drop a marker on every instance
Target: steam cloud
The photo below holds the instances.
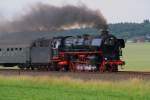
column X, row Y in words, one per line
column 44, row 17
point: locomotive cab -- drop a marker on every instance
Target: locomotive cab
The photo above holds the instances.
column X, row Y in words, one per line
column 55, row 44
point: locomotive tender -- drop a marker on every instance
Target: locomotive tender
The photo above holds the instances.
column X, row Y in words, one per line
column 67, row 53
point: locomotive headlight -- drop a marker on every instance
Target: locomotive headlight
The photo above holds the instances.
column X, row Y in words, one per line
column 105, row 58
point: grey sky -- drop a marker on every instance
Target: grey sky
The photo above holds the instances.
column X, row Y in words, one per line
column 114, row 10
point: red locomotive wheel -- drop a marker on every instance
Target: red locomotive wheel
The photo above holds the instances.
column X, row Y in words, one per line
column 111, row 68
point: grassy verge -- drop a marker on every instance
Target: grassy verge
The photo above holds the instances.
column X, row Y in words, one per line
column 45, row 88
column 137, row 56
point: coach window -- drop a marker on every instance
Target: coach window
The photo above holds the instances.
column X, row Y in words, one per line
column 7, row 49
column 12, row 49
column 20, row 49
column 16, row 49
column 0, row 49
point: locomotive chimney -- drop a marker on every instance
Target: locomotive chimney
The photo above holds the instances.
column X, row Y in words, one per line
column 104, row 32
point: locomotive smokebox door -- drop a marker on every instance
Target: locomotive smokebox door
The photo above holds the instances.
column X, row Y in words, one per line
column 121, row 43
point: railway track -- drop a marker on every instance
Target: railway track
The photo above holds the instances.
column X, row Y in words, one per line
column 134, row 72
column 120, row 72
column 121, row 75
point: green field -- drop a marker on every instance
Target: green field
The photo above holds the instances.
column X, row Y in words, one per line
column 137, row 56
column 44, row 88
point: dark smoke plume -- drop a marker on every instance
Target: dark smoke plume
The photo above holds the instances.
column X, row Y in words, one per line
column 43, row 17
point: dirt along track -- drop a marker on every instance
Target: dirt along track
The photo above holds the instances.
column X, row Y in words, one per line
column 118, row 76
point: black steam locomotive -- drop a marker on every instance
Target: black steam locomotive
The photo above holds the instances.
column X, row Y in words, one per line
column 88, row 53
column 67, row 53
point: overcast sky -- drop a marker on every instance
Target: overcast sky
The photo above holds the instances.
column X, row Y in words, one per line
column 114, row 10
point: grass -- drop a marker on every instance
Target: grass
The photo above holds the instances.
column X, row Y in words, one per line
column 137, row 56
column 46, row 88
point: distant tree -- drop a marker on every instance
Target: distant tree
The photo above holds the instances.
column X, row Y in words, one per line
column 130, row 30
column 146, row 21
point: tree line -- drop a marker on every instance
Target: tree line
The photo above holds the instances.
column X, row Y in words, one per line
column 130, row 30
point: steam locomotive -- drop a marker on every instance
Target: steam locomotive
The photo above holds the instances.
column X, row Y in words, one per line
column 67, row 53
